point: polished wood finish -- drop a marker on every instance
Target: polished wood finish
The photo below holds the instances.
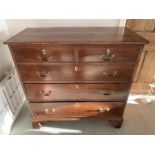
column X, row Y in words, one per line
column 76, row 109
column 106, row 54
column 76, row 92
column 76, row 73
column 44, row 53
column 76, row 35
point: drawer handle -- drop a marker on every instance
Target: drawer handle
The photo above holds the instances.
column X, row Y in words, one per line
column 107, row 56
column 44, row 56
column 99, row 110
column 48, row 110
column 42, row 74
column 110, row 74
column 106, row 93
column 45, row 93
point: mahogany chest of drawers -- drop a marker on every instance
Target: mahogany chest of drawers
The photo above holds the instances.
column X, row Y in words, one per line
column 76, row 73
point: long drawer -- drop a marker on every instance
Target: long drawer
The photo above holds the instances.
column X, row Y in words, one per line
column 74, row 73
column 44, row 53
column 75, row 109
column 106, row 53
column 76, row 92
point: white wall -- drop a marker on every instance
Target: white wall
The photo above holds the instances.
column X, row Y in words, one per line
column 5, row 58
column 10, row 27
column 16, row 25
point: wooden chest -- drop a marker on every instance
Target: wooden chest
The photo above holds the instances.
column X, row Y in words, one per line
column 76, row 73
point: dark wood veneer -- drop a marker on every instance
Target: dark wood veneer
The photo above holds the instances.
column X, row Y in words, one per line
column 77, row 35
column 76, row 73
column 101, row 54
column 77, row 109
column 114, row 73
column 50, row 54
column 76, row 92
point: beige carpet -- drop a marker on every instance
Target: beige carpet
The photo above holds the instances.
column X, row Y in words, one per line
column 138, row 119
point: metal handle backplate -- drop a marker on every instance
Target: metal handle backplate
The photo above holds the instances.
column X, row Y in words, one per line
column 107, row 56
column 44, row 56
column 47, row 93
column 42, row 74
column 110, row 74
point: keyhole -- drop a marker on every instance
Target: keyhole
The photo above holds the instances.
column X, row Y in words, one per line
column 76, row 68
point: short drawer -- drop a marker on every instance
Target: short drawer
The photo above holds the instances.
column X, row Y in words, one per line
column 44, row 53
column 76, row 92
column 108, row 54
column 76, row 73
column 75, row 109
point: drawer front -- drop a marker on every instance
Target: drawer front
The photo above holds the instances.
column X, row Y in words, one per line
column 75, row 109
column 76, row 73
column 44, row 53
column 106, row 54
column 76, row 92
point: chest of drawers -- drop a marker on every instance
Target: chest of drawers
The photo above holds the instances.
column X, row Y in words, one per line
column 76, row 73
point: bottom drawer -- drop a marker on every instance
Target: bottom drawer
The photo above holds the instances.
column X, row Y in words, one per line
column 76, row 109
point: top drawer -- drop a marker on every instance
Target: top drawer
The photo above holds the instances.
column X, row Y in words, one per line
column 44, row 53
column 108, row 53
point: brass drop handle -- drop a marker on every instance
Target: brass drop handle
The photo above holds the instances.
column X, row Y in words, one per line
column 99, row 110
column 45, row 93
column 110, row 74
column 107, row 56
column 42, row 74
column 44, row 56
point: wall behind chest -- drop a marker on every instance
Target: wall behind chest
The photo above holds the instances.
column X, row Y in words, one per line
column 5, row 56
column 16, row 25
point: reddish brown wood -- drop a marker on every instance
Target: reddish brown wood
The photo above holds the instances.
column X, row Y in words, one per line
column 111, row 53
column 81, row 72
column 76, row 109
column 77, row 35
column 116, row 121
column 44, row 53
column 76, row 92
column 76, row 73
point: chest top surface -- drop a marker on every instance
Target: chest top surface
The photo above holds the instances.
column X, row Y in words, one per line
column 76, row 35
